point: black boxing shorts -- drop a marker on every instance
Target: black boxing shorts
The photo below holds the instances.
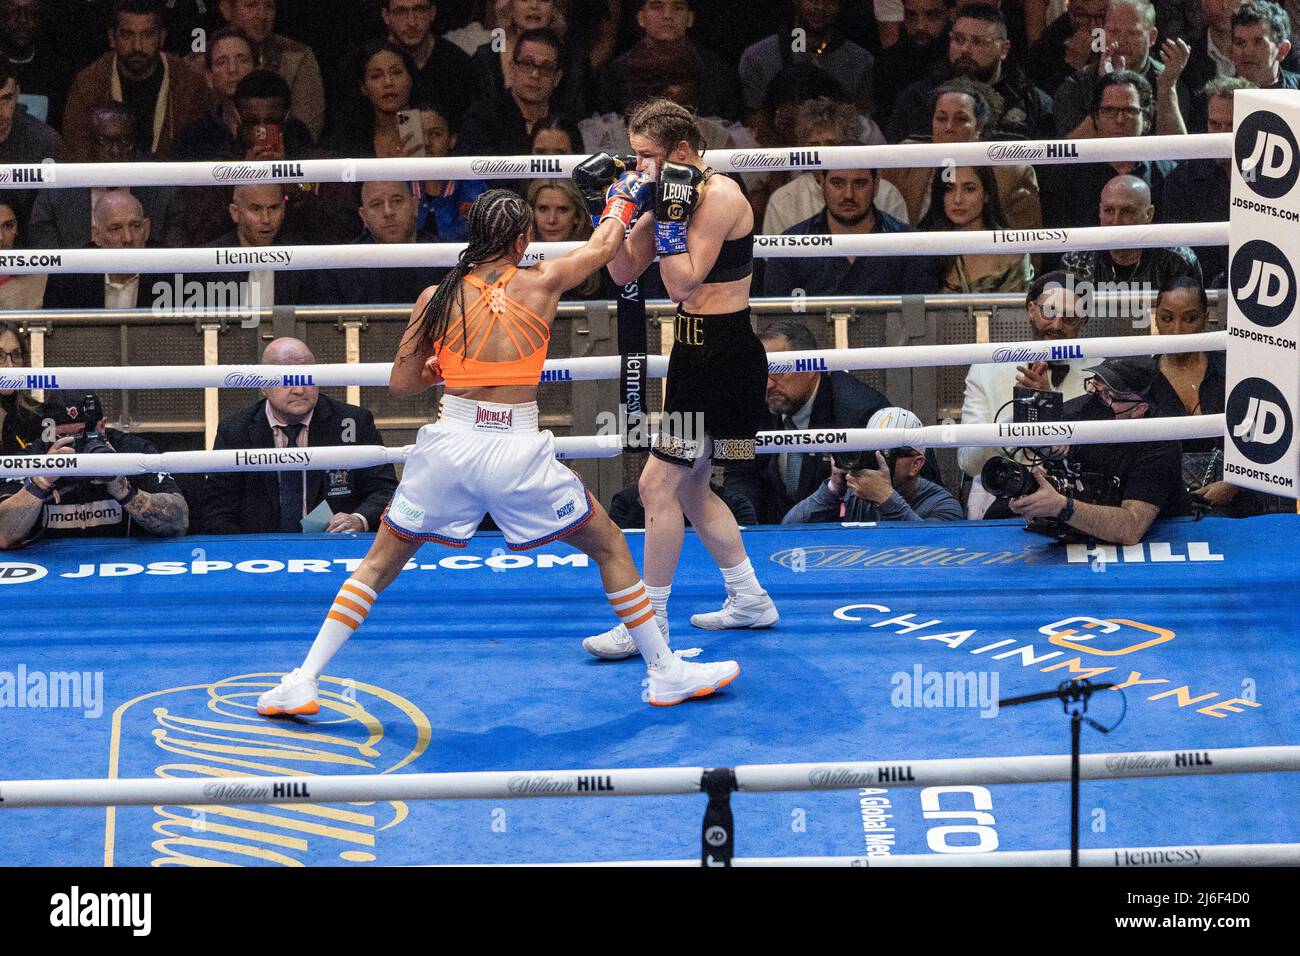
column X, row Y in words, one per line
column 717, row 386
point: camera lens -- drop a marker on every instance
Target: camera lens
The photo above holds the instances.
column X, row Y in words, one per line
column 1004, row 478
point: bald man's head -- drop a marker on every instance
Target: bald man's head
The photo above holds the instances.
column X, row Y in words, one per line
column 1126, row 201
column 118, row 222
column 290, row 405
column 288, row 351
column 258, row 213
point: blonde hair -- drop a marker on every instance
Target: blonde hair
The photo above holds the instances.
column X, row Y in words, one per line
column 582, row 228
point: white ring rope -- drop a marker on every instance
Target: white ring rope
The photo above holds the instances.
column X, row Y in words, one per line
column 376, row 374
column 52, row 175
column 189, row 262
column 1225, row 854
column 318, row 458
column 658, row 781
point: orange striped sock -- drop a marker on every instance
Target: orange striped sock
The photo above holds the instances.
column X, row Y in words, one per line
column 632, row 605
column 349, row 610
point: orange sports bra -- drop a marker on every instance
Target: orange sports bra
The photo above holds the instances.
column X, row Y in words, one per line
column 495, row 320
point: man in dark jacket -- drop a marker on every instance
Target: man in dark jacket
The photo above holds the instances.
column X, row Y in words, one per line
column 296, row 417
column 978, row 48
column 773, row 483
column 118, row 222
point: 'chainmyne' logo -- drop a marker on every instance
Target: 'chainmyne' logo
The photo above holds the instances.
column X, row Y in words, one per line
column 1265, row 153
column 1263, row 283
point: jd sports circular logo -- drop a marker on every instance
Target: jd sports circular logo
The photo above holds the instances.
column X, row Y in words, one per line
column 1259, row 421
column 20, row 572
column 1266, row 155
column 1263, row 283
column 715, row 836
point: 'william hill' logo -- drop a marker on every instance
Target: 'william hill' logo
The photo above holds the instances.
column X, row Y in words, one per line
column 29, row 381
column 212, row 731
column 1062, row 353
column 26, row 174
column 557, row 375
column 297, row 381
column 546, row 166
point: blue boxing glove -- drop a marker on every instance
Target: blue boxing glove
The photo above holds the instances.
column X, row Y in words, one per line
column 593, row 177
column 677, row 195
column 630, row 196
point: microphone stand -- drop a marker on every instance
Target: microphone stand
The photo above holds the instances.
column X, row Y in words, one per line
column 1070, row 692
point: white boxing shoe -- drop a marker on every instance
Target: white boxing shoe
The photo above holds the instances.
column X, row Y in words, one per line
column 675, row 680
column 739, row 610
column 295, row 695
column 617, row 644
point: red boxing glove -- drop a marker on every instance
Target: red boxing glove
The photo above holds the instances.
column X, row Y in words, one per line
column 433, row 369
column 628, row 197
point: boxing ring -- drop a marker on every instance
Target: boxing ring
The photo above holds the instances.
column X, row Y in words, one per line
column 865, row 729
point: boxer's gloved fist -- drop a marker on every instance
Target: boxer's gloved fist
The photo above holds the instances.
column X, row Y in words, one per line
column 593, row 177
column 677, row 195
column 432, row 371
column 628, row 198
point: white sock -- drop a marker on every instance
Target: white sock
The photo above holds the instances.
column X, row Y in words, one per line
column 741, row 579
column 350, row 607
column 659, row 598
column 632, row 605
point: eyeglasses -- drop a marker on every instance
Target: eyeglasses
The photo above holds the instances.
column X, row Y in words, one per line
column 966, row 39
column 1112, row 112
column 12, row 358
column 532, row 66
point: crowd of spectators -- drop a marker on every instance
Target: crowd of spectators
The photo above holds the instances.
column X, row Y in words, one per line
column 138, row 81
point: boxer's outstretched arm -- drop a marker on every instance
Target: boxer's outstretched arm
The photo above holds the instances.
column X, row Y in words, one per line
column 637, row 253
column 573, row 269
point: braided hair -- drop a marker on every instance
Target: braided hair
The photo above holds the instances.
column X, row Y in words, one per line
column 496, row 219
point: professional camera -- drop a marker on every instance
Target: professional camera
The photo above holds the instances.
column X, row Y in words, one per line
column 857, row 460
column 1005, row 478
column 91, row 441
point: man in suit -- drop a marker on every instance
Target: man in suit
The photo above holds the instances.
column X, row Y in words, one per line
column 797, row 400
column 118, row 222
column 61, row 217
column 387, row 211
column 299, row 417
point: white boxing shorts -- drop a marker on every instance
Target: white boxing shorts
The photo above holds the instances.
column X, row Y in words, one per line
column 483, row 458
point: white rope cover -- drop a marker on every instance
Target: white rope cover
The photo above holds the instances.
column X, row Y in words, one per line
column 1226, row 854
column 510, row 784
column 52, row 175
column 993, row 435
column 187, row 262
column 607, row 366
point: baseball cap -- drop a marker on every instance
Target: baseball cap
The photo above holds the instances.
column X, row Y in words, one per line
column 895, row 417
column 1133, row 375
column 64, row 407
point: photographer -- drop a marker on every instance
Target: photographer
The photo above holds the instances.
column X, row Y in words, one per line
column 878, row 486
column 1122, row 487
column 43, row 506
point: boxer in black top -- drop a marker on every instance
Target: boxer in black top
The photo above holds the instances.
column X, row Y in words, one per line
column 714, row 399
